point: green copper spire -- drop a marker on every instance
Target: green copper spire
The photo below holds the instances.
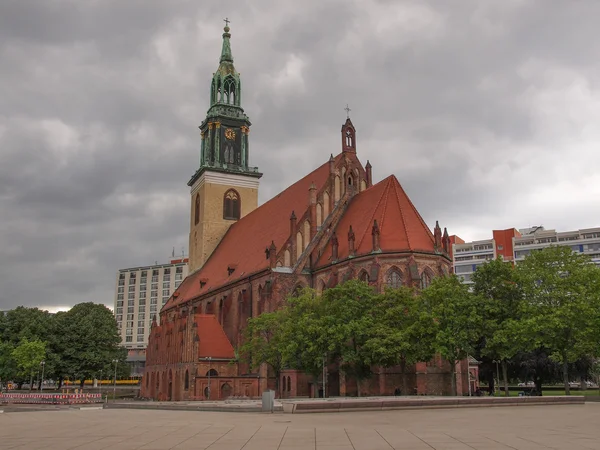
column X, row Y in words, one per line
column 225, row 130
column 226, row 50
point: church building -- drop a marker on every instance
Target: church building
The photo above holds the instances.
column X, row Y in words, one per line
column 332, row 225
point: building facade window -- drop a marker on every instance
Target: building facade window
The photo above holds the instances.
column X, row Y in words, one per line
column 425, row 279
column 231, row 205
column 394, row 279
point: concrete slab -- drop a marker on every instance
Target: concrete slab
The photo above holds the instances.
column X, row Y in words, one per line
column 551, row 426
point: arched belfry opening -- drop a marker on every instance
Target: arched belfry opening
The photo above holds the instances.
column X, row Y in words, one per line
column 348, row 136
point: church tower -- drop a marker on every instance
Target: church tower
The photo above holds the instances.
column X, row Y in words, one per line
column 225, row 187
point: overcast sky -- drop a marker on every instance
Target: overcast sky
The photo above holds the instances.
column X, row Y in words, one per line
column 486, row 111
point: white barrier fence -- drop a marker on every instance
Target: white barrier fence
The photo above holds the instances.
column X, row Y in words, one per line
column 50, row 399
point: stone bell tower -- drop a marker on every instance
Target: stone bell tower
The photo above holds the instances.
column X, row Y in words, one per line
column 225, row 187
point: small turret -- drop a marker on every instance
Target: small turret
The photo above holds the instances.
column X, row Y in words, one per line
column 334, row 247
column 375, row 234
column 351, row 239
column 437, row 236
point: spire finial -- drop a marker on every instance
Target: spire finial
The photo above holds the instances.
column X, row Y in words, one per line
column 347, row 109
column 226, row 50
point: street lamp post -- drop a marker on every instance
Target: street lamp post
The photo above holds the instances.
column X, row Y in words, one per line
column 324, row 376
column 43, row 364
column 100, row 383
column 116, row 361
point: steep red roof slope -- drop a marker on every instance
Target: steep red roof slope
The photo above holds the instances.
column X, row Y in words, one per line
column 401, row 227
column 213, row 340
column 243, row 246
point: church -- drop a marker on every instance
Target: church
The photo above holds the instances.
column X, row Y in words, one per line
column 330, row 226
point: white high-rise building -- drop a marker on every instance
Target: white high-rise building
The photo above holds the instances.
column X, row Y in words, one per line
column 586, row 242
column 140, row 293
column 515, row 245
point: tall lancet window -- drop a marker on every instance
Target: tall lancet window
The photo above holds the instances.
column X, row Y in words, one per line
column 231, row 205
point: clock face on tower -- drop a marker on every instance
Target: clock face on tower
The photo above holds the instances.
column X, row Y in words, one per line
column 230, row 134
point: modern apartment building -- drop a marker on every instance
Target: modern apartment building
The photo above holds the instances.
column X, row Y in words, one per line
column 140, row 293
column 514, row 245
column 585, row 241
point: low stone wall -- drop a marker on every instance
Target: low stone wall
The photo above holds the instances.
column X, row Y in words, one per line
column 389, row 403
column 50, row 399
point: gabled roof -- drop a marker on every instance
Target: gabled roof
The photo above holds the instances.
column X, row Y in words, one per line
column 243, row 246
column 213, row 340
column 401, row 227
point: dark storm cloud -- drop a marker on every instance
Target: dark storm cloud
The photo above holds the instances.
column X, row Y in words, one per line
column 485, row 111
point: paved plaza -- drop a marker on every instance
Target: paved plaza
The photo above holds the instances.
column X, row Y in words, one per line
column 528, row 428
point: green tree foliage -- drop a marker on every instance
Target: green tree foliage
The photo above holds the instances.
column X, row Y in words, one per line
column 28, row 355
column 561, row 293
column 402, row 332
column 457, row 319
column 304, row 338
column 8, row 366
column 348, row 324
column 264, row 341
column 27, row 323
column 88, row 340
column 501, row 304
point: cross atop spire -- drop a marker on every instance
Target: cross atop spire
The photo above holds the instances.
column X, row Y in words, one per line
column 226, row 20
column 347, row 109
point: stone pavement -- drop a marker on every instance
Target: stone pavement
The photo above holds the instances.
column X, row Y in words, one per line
column 569, row 427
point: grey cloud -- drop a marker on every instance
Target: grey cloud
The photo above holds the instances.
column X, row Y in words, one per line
column 101, row 103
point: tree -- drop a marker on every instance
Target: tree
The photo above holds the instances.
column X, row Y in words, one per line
column 264, row 341
column 27, row 323
column 561, row 291
column 305, row 341
column 456, row 315
column 8, row 366
column 501, row 298
column 403, row 331
column 88, row 340
column 28, row 355
column 347, row 324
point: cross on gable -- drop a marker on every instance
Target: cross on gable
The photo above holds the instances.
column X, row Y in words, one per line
column 226, row 20
column 347, row 109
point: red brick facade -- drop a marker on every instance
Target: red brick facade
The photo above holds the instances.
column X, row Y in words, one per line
column 329, row 227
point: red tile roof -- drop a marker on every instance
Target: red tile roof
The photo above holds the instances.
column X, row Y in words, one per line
column 244, row 243
column 401, row 227
column 213, row 340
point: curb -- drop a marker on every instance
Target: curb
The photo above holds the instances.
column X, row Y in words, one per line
column 333, row 406
column 252, row 409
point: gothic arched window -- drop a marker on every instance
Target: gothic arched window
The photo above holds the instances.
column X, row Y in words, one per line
column 231, row 205
column 229, row 91
column 197, row 210
column 393, row 279
column 364, row 277
column 425, row 279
